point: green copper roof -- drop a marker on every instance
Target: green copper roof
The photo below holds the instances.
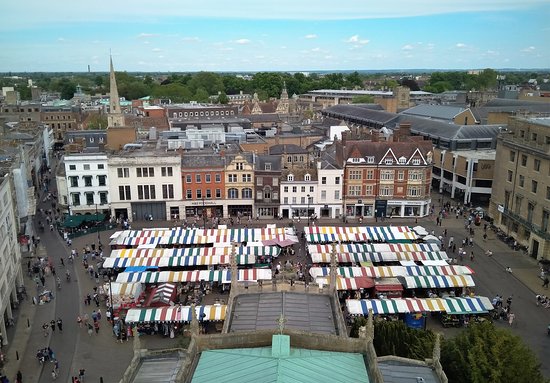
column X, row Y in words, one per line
column 261, row 365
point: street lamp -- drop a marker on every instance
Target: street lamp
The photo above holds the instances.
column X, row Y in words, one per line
column 308, row 210
column 203, row 213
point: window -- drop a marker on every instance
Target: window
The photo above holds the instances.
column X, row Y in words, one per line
column 145, row 172
column 198, row 178
column 232, row 178
column 523, row 160
column 218, row 193
column 415, row 176
column 123, row 172
column 403, row 160
column 188, row 178
column 86, row 166
column 530, row 210
column 247, row 178
column 388, row 161
column 207, row 178
column 355, row 174
column 323, row 180
column 74, row 181
column 545, row 220
column 87, row 181
column 239, row 166
column 166, row 171
column 303, row 189
column 386, row 175
column 356, row 160
column 522, row 133
column 146, row 192
column 189, row 194
column 89, row 198
column 416, row 161
column 354, row 190
column 534, row 136
column 521, row 181
column 76, row 199
column 208, row 193
column 100, row 166
column 536, row 165
column 232, row 193
column 198, row 193
column 337, row 181
column 285, row 189
column 266, row 194
column 218, row 178
column 72, row 167
column 370, row 160
column 124, row 193
column 323, row 195
column 370, row 174
column 311, row 189
column 548, row 192
column 290, row 177
column 247, row 193
column 259, row 181
column 386, row 190
column 510, row 175
column 307, row 177
column 294, row 189
column 534, row 186
column 103, row 198
column 413, row 191
column 512, row 156
column 267, row 166
column 167, row 191
column 369, row 190
column 337, row 195
column 285, row 200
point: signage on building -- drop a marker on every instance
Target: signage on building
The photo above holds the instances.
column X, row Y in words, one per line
column 500, row 208
column 200, row 203
column 380, row 206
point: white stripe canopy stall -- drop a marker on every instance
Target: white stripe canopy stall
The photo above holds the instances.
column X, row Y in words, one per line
column 176, row 314
column 436, row 281
column 221, row 276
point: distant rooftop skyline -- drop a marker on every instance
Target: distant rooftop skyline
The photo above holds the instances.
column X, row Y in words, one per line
column 247, row 35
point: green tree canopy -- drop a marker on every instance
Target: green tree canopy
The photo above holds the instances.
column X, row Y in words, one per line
column 365, row 99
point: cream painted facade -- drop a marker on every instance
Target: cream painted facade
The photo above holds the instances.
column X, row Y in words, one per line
column 239, row 185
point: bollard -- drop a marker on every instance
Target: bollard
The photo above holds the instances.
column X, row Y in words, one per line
column 17, row 355
column 101, row 379
column 28, row 323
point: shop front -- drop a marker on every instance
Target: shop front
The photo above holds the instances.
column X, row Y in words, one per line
column 360, row 209
column 408, row 208
column 239, row 210
column 267, row 211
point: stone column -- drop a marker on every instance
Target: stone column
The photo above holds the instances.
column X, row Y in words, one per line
column 194, row 327
column 370, row 327
column 234, row 269
column 333, row 266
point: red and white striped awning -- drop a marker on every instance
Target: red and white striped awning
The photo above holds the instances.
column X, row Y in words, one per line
column 176, row 314
column 373, row 248
column 386, row 256
column 348, row 283
column 110, row 262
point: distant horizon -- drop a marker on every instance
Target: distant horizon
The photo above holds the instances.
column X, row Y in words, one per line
column 184, row 36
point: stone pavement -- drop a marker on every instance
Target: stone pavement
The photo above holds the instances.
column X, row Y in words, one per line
column 102, row 357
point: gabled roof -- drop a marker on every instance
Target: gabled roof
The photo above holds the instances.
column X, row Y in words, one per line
column 287, row 149
column 440, row 112
column 381, row 149
column 263, row 159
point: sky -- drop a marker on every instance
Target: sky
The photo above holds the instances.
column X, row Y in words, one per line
column 282, row 35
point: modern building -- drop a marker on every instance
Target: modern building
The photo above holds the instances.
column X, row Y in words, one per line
column 451, row 114
column 520, row 203
column 11, row 275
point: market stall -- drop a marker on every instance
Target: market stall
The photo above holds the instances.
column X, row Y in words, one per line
column 192, row 261
column 436, row 281
column 372, row 248
column 387, row 234
column 388, row 288
column 162, row 295
column 348, row 283
column 176, row 314
column 220, row 276
column 386, row 256
column 391, row 271
column 125, row 295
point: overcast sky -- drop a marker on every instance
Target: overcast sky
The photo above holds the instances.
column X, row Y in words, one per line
column 253, row 35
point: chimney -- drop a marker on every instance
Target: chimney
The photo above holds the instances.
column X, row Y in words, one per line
column 404, row 130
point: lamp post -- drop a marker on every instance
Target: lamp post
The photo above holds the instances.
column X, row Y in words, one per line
column 307, row 210
column 203, row 213
column 96, row 223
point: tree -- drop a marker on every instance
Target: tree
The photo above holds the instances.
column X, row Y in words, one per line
column 201, row 95
column 222, row 98
column 211, row 83
column 365, row 99
column 485, row 354
column 96, row 121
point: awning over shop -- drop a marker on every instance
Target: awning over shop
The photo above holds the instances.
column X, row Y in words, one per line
column 176, row 314
column 221, row 276
column 258, row 251
column 373, row 248
column 77, row 220
column 127, row 289
column 178, row 261
column 164, row 294
column 442, row 281
column 385, row 256
column 326, row 234
column 470, row 305
column 391, row 271
column 348, row 283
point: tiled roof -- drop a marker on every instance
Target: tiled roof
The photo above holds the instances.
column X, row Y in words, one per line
column 286, row 149
column 193, row 161
column 380, row 149
column 440, row 112
column 263, row 159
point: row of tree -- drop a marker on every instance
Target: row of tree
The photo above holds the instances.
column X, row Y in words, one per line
column 481, row 353
column 201, row 85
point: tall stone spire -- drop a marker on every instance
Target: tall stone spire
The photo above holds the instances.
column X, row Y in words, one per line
column 115, row 117
column 283, row 106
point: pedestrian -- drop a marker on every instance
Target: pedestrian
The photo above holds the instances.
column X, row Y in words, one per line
column 96, row 327
column 509, row 301
column 471, row 256
column 545, row 283
column 56, row 366
column 52, row 325
column 45, row 327
column 454, row 248
column 108, row 315
column 54, row 375
column 98, row 314
column 62, row 262
column 509, row 269
column 90, row 329
column 485, row 236
column 60, row 324
column 81, row 374
column 79, row 321
column 19, row 377
column 511, row 318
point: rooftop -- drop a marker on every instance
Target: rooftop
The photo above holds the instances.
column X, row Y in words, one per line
column 400, row 370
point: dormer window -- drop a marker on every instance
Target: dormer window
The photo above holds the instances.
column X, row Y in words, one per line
column 268, row 166
column 307, row 177
column 402, row 160
column 356, row 160
column 388, row 161
column 416, row 161
column 290, row 177
column 370, row 160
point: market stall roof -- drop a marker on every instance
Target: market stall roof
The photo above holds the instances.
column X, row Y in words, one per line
column 373, row 248
column 442, row 281
column 391, row 271
column 129, row 289
column 469, row 305
column 164, row 294
column 176, row 314
column 386, row 256
column 259, row 251
column 420, row 230
column 77, row 220
column 329, row 234
column 348, row 283
column 221, row 276
column 178, row 261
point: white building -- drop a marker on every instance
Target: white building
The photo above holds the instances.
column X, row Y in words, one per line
column 10, row 254
column 299, row 193
column 87, row 181
column 145, row 184
column 328, row 199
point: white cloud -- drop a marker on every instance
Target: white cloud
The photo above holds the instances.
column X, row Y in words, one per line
column 407, row 47
column 146, row 35
column 310, row 36
column 529, row 49
column 316, row 49
column 242, row 41
column 356, row 40
column 61, row 39
column 226, row 49
column 460, row 45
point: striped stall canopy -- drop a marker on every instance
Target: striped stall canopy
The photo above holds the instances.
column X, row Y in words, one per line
column 391, row 271
column 374, row 248
column 441, row 281
column 129, row 289
column 348, row 283
column 163, row 293
column 258, row 251
column 324, row 234
column 469, row 305
column 385, row 256
column 221, row 276
column 176, row 314
column 178, row 261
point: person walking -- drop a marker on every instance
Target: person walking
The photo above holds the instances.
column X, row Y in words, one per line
column 545, row 283
column 54, row 375
column 90, row 329
column 19, row 377
column 81, row 373
column 511, row 318
column 471, row 256
column 60, row 324
column 96, row 327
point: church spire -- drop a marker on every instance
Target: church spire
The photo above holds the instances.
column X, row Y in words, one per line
column 115, row 117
